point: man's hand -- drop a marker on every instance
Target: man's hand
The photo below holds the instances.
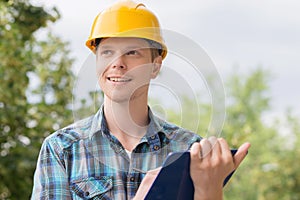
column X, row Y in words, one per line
column 211, row 162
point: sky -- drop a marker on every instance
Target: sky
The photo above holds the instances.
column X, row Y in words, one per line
column 236, row 35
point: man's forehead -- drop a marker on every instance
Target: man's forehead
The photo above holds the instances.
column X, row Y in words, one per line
column 123, row 41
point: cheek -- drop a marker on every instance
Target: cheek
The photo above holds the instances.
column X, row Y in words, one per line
column 100, row 68
column 101, row 64
column 142, row 73
column 101, row 79
column 99, row 71
column 101, row 82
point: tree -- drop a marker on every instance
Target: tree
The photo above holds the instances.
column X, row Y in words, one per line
column 35, row 91
column 284, row 171
column 248, row 100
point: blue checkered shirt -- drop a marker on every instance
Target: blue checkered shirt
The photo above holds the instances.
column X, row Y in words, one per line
column 84, row 161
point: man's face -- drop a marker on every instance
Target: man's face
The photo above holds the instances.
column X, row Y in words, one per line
column 125, row 67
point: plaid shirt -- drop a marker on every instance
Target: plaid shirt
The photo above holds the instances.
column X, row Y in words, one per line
column 84, row 161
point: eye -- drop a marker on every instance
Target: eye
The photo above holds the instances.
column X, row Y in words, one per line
column 132, row 52
column 106, row 53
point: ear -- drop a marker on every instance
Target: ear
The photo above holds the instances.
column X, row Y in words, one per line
column 156, row 66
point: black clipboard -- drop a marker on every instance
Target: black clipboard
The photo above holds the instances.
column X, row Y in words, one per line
column 174, row 180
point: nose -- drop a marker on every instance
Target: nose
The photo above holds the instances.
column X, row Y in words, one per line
column 119, row 62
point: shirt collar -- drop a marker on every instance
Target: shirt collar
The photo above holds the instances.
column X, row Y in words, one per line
column 156, row 126
column 98, row 123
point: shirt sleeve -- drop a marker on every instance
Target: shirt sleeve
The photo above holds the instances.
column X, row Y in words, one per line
column 50, row 178
column 195, row 138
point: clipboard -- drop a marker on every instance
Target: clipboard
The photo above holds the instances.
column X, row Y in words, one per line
column 174, row 180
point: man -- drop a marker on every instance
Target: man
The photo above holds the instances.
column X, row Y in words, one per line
column 116, row 154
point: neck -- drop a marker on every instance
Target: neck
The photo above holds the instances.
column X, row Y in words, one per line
column 127, row 120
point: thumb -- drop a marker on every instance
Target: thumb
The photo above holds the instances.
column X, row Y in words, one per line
column 154, row 172
column 241, row 154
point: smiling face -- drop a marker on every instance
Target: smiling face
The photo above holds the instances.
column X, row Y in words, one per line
column 125, row 67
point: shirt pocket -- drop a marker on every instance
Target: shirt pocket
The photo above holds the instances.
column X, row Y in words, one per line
column 92, row 188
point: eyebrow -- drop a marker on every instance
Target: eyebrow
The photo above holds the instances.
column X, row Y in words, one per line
column 105, row 46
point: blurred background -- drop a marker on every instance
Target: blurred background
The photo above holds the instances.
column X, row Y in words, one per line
column 253, row 44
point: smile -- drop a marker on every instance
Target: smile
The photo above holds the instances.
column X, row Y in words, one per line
column 119, row 79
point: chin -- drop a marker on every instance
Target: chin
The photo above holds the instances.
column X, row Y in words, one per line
column 118, row 98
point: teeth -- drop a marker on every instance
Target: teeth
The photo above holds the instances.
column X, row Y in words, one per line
column 118, row 79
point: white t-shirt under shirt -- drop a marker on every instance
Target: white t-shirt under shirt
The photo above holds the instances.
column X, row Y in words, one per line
column 128, row 153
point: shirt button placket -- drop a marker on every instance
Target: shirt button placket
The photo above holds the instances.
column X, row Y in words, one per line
column 132, row 178
column 156, row 147
column 86, row 194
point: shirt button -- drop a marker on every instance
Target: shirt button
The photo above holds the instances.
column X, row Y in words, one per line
column 86, row 194
column 132, row 179
column 156, row 147
column 153, row 137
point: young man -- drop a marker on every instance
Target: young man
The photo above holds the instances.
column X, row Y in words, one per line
column 116, row 154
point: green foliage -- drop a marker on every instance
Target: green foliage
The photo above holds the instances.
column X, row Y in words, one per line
column 248, row 101
column 285, row 174
column 35, row 91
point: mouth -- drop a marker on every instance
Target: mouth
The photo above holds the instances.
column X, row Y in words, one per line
column 119, row 79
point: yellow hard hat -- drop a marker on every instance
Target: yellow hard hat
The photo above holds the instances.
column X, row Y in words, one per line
column 126, row 19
